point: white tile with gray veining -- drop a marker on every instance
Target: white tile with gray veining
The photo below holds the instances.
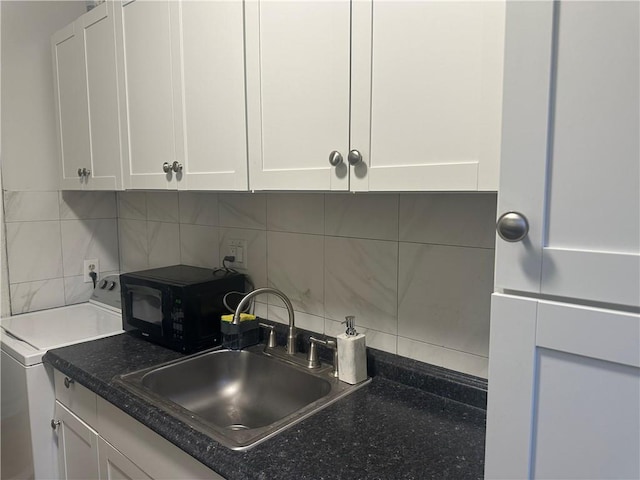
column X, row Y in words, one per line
column 34, row 251
column 445, row 296
column 132, row 236
column 199, row 246
column 198, row 208
column 163, row 244
column 87, row 205
column 32, row 296
column 132, row 205
column 361, row 278
column 373, row 338
column 373, row 216
column 86, row 239
column 302, row 320
column 76, row 290
column 256, row 258
column 163, row 207
column 464, row 219
column 31, row 206
column 295, row 266
column 243, row 210
column 296, row 212
column 444, row 357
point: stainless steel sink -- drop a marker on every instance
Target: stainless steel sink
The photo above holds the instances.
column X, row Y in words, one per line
column 239, row 398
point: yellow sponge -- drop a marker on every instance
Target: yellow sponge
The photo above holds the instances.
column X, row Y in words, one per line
column 243, row 317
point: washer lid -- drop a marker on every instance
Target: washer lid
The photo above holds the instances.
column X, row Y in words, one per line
column 58, row 327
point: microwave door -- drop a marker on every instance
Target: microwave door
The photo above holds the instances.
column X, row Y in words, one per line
column 147, row 311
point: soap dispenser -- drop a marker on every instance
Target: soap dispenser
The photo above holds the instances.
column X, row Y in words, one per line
column 352, row 354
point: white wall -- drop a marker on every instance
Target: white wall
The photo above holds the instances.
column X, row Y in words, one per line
column 48, row 233
column 5, row 307
column 29, row 145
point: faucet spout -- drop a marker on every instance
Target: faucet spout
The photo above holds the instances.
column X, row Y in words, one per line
column 291, row 337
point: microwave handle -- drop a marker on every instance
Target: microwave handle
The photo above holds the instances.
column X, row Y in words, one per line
column 141, row 289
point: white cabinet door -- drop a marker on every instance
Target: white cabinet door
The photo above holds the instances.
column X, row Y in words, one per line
column 77, row 446
column 115, row 466
column 184, row 64
column 571, row 150
column 298, row 67
column 426, row 112
column 98, row 28
column 564, row 391
column 72, row 115
column 145, row 48
column 211, row 67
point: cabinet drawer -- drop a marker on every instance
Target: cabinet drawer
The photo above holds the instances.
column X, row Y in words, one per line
column 80, row 400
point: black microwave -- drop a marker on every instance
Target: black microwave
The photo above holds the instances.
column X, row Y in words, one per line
column 178, row 306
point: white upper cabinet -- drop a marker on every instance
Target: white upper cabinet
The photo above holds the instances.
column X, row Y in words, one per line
column 571, row 158
column 146, row 39
column 184, row 77
column 298, row 67
column 71, row 102
column 431, row 116
column 411, row 89
column 88, row 102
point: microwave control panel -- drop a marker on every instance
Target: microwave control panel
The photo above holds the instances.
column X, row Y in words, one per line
column 177, row 318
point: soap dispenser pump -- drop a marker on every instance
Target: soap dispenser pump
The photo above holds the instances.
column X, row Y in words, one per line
column 352, row 354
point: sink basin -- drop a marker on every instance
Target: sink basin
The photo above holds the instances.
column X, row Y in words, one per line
column 239, row 398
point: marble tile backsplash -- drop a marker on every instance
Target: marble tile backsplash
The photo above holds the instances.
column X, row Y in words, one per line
column 49, row 235
column 415, row 269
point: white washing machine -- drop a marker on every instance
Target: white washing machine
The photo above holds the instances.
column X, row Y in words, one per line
column 28, row 443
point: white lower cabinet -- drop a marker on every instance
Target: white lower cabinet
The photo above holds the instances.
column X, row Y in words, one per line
column 77, row 446
column 564, row 390
column 115, row 466
column 97, row 440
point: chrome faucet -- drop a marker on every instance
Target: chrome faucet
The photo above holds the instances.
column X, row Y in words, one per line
column 291, row 338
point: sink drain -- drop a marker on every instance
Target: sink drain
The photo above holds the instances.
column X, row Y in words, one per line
column 237, row 426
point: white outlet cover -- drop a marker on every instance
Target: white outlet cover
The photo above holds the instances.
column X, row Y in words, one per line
column 87, row 268
column 237, row 248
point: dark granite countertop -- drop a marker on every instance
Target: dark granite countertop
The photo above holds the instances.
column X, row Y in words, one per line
column 385, row 430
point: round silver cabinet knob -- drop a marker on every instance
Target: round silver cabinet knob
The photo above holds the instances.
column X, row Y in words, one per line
column 54, row 423
column 176, row 167
column 166, row 167
column 86, row 172
column 354, row 157
column 68, row 381
column 335, row 158
column 512, row 226
column 80, row 172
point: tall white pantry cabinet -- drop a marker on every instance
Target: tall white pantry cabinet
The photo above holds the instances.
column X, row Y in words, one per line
column 564, row 361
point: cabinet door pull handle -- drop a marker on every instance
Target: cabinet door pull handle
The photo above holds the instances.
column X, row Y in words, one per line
column 354, row 157
column 166, row 167
column 335, row 158
column 68, row 381
column 512, row 226
column 54, row 423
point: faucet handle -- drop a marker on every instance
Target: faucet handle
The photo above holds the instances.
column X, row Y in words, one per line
column 312, row 356
column 271, row 342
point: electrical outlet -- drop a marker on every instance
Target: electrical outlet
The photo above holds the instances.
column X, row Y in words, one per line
column 237, row 248
column 90, row 265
